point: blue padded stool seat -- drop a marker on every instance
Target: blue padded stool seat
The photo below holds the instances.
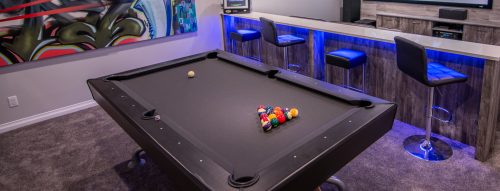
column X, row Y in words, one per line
column 289, row 40
column 245, row 35
column 438, row 75
column 346, row 58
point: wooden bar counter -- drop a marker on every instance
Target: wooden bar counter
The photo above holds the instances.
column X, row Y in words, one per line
column 475, row 104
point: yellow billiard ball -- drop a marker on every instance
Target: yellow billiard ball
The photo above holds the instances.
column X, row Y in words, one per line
column 191, row 74
column 272, row 116
column 294, row 112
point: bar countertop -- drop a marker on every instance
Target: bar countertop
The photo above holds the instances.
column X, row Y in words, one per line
column 488, row 52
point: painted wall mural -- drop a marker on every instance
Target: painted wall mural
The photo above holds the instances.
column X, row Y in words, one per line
column 38, row 29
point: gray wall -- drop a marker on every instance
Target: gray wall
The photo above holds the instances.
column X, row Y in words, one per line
column 55, row 83
column 329, row 10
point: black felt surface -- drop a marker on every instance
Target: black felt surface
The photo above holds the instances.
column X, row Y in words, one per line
column 217, row 111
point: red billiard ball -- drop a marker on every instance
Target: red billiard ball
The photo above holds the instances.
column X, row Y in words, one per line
column 263, row 115
column 281, row 118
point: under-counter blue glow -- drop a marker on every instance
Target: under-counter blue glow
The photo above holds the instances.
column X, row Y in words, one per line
column 325, row 42
column 319, row 55
column 344, row 41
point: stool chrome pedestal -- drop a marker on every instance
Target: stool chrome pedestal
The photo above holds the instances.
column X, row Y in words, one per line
column 427, row 147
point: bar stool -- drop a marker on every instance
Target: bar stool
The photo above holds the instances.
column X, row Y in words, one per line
column 271, row 35
column 347, row 59
column 412, row 60
column 245, row 36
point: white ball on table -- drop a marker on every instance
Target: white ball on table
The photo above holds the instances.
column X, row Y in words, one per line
column 191, row 74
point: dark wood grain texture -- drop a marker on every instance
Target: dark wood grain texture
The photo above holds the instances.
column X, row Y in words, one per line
column 478, row 34
column 496, row 37
column 489, row 115
column 416, row 26
column 388, row 22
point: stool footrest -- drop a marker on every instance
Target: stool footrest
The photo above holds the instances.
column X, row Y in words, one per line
column 449, row 117
column 294, row 67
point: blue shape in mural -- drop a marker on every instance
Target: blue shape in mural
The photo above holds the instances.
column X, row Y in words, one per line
column 158, row 14
column 168, row 17
column 185, row 15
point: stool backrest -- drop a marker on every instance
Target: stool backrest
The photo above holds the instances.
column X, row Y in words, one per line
column 269, row 30
column 412, row 59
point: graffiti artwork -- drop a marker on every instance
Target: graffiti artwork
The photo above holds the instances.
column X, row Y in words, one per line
column 38, row 29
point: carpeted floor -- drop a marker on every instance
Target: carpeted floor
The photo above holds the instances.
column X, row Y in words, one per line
column 87, row 150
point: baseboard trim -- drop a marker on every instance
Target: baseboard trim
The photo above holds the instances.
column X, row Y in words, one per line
column 6, row 127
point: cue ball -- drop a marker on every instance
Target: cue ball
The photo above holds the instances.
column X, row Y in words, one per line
column 191, row 74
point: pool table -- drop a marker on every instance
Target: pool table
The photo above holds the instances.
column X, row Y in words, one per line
column 205, row 131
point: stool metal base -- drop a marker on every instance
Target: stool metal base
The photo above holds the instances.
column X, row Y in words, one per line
column 294, row 68
column 438, row 150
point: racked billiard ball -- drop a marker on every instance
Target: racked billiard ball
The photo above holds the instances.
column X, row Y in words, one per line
column 275, row 122
column 281, row 119
column 269, row 110
column 288, row 115
column 272, row 116
column 278, row 112
column 294, row 112
column 267, row 127
column 261, row 111
column 263, row 115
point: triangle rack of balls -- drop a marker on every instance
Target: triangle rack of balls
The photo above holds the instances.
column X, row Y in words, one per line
column 272, row 117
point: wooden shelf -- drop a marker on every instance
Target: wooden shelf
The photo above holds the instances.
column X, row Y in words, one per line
column 447, row 30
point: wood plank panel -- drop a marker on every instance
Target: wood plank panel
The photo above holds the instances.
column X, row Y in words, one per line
column 489, row 114
column 421, row 27
column 478, row 34
column 496, row 37
column 388, row 22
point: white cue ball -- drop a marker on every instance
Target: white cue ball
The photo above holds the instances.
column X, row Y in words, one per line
column 191, row 74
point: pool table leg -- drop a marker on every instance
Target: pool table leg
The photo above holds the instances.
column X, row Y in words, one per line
column 136, row 160
column 335, row 182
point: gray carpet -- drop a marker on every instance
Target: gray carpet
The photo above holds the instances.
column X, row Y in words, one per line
column 87, row 150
